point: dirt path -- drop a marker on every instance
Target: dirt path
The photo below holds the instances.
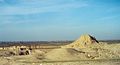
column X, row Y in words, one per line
column 92, row 62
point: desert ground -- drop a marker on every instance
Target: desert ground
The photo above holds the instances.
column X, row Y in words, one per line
column 108, row 54
column 76, row 53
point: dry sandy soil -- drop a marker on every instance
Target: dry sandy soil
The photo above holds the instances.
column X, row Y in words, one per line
column 96, row 54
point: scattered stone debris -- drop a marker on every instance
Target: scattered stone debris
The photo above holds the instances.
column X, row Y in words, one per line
column 85, row 48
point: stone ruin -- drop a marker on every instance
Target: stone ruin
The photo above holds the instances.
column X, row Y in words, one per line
column 82, row 42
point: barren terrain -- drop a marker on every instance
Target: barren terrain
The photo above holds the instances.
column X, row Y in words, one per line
column 95, row 54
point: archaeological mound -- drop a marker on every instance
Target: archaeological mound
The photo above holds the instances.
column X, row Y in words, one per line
column 82, row 42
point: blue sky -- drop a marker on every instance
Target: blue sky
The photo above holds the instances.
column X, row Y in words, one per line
column 24, row 20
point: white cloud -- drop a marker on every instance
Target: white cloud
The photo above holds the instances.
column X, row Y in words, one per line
column 1, row 0
column 22, row 10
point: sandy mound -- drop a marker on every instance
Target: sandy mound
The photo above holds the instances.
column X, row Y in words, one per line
column 94, row 51
column 85, row 48
column 65, row 54
column 82, row 42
